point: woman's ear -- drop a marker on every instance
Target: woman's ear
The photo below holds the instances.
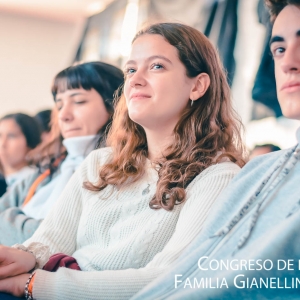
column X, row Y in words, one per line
column 202, row 82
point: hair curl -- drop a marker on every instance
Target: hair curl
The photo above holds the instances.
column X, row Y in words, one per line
column 209, row 126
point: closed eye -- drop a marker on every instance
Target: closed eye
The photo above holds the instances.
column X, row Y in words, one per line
column 59, row 106
column 80, row 102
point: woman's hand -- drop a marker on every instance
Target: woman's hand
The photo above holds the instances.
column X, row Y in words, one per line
column 15, row 262
column 14, row 285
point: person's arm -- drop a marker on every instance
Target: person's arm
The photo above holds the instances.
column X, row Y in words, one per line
column 16, row 227
column 123, row 284
column 59, row 229
column 57, row 233
column 16, row 194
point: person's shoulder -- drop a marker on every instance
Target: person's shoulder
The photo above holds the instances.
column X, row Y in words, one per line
column 101, row 155
column 218, row 171
column 225, row 167
column 266, row 160
column 255, row 170
column 95, row 160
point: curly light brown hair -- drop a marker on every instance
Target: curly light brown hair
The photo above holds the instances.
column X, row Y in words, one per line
column 209, row 126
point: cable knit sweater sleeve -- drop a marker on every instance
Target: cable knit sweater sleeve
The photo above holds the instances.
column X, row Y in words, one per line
column 121, row 283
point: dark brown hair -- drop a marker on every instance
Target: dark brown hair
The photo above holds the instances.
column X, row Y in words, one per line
column 207, row 127
column 276, row 6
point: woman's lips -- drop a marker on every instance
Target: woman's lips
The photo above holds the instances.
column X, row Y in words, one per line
column 139, row 96
column 72, row 129
column 291, row 86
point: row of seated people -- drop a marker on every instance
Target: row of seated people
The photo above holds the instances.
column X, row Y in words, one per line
column 152, row 213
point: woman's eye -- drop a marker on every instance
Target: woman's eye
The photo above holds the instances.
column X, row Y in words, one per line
column 157, row 66
column 80, row 102
column 129, row 71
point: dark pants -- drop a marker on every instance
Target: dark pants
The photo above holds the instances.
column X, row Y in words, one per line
column 4, row 296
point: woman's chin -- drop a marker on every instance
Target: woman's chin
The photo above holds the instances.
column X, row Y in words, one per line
column 73, row 133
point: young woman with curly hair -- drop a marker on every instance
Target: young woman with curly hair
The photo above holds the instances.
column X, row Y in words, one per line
column 132, row 208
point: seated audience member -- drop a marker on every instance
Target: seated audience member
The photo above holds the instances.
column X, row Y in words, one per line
column 19, row 133
column 44, row 118
column 131, row 209
column 83, row 96
column 251, row 240
column 263, row 149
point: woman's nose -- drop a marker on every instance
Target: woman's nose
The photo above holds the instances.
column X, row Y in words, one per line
column 137, row 79
column 65, row 113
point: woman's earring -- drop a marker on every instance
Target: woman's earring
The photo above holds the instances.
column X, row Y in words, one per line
column 192, row 102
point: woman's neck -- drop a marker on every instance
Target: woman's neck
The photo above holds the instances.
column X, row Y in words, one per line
column 157, row 143
column 9, row 170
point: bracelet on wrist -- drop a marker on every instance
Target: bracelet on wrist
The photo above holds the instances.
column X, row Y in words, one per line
column 29, row 287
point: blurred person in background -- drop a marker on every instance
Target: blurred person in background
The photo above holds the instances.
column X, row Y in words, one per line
column 83, row 95
column 263, row 149
column 19, row 133
column 43, row 118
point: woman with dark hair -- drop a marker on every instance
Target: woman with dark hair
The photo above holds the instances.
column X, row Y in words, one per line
column 19, row 133
column 78, row 124
column 131, row 209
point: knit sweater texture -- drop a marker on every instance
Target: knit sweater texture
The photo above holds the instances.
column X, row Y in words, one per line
column 115, row 236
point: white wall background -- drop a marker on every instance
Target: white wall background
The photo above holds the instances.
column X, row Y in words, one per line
column 32, row 51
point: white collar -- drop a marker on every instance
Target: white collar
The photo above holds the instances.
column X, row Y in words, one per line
column 80, row 145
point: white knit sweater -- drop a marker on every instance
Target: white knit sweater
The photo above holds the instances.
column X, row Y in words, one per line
column 115, row 236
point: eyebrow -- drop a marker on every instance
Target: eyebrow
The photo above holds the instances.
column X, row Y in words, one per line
column 72, row 95
column 278, row 38
column 275, row 39
column 149, row 59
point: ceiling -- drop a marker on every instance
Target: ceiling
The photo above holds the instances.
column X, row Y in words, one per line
column 63, row 10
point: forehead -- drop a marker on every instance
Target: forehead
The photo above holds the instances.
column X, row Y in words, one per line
column 9, row 124
column 151, row 44
column 287, row 23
